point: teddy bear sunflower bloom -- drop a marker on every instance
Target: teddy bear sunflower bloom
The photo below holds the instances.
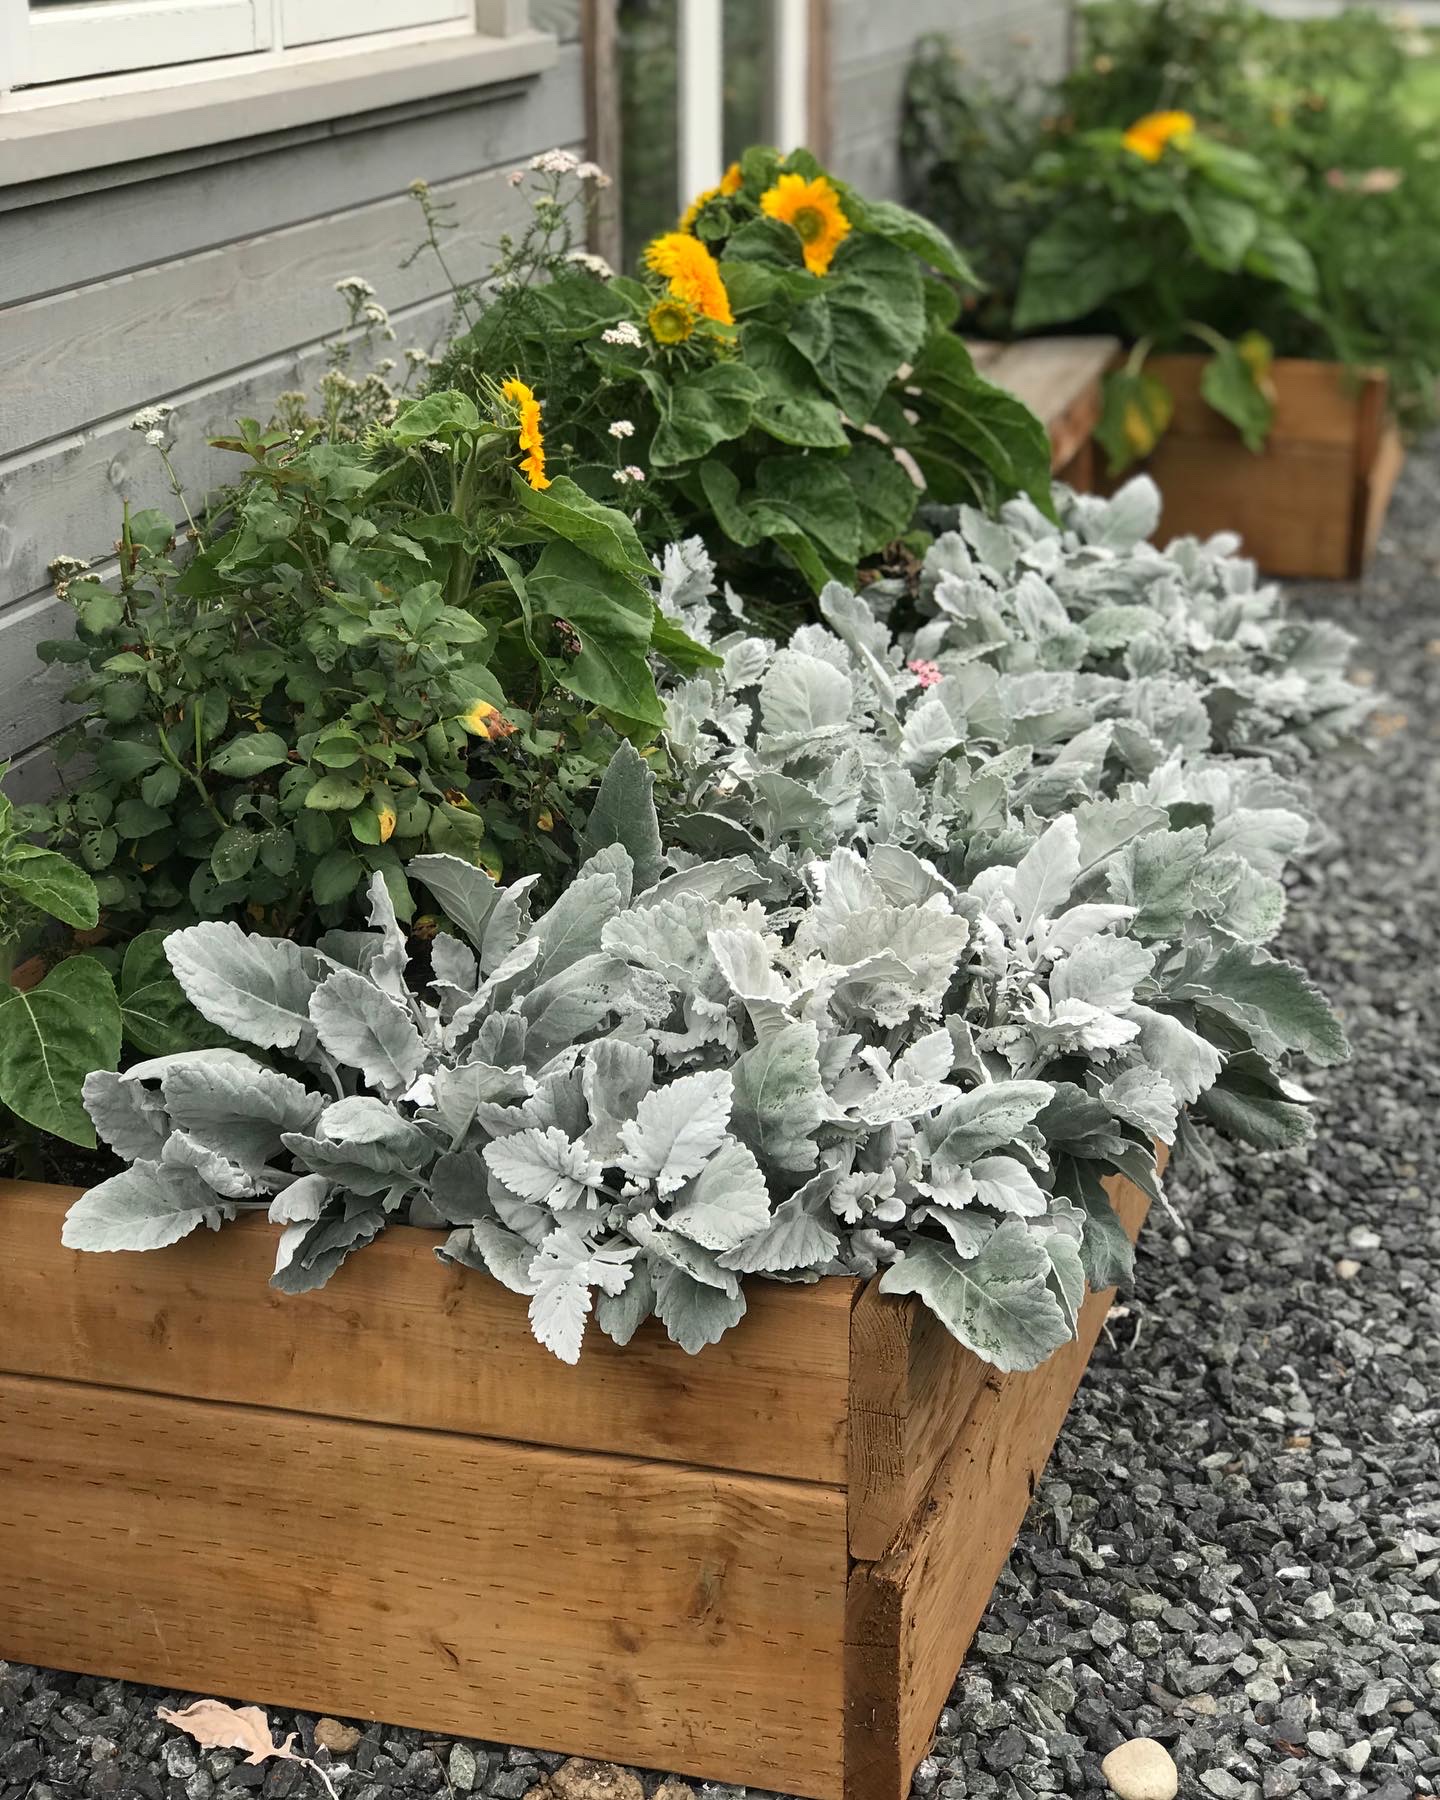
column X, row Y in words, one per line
column 813, row 209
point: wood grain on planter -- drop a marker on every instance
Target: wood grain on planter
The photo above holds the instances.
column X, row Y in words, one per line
column 645, row 1612
column 1312, row 502
column 761, row 1565
column 198, row 1321
column 913, row 1611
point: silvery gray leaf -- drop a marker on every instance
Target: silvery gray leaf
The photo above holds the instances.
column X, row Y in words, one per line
column 507, row 924
column 795, row 1238
column 301, row 1201
column 572, row 928
column 364, row 1029
column 624, row 813
column 455, row 967
column 224, row 1177
column 616, row 1077
column 458, row 1187
column 543, row 1167
column 362, row 1119
column 726, row 1203
column 998, row 1304
column 307, row 1261
column 693, row 1312
column 239, row 1112
column 468, row 894
column 371, row 1170
column 255, row 988
column 987, row 1118
column 142, row 1208
column 779, row 1100
column 571, row 1004
column 621, row 1315
column 129, row 1117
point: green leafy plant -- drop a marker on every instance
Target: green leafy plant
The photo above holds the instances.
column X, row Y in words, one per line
column 1294, row 212
column 930, row 935
column 392, row 646
column 55, row 1031
column 66, row 1012
column 1169, row 234
column 776, row 378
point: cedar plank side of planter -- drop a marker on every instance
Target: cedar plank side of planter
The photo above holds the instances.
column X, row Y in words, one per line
column 643, row 1612
column 759, row 1565
column 1312, row 502
column 198, row 1321
column 913, row 1611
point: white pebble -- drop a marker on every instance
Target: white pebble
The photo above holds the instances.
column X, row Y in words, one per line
column 1141, row 1770
column 1355, row 1756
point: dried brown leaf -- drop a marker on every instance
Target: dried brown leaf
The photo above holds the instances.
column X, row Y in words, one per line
column 216, row 1726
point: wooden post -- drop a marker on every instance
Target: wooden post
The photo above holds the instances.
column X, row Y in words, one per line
column 600, row 42
column 820, row 82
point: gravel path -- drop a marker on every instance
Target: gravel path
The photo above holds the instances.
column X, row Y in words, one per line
column 1237, row 1548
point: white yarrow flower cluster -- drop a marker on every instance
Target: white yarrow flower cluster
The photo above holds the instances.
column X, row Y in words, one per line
column 150, row 418
column 597, row 265
column 629, row 474
column 622, row 428
column 624, row 333
column 354, row 287
column 590, row 171
column 63, row 570
column 555, row 162
column 155, row 437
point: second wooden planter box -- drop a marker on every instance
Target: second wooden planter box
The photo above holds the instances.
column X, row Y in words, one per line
column 1310, row 504
column 384, row 1500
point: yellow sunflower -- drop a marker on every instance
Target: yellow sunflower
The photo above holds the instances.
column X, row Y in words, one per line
column 693, row 274
column 813, row 208
column 729, row 183
column 531, row 440
column 671, row 321
column 1148, row 137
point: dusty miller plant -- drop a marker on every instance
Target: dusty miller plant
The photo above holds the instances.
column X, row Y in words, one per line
column 924, row 947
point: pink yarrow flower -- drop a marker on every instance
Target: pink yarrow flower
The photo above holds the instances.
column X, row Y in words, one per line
column 927, row 673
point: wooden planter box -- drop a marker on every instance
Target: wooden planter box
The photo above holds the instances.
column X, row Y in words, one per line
column 1311, row 504
column 384, row 1500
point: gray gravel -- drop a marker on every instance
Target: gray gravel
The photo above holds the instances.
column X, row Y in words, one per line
column 1237, row 1547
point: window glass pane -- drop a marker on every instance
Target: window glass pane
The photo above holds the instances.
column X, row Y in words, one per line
column 748, row 62
column 649, row 122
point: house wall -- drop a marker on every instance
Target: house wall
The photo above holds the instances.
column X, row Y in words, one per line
column 871, row 44
column 207, row 280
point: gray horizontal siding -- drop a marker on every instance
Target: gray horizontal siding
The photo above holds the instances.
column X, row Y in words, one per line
column 871, row 48
column 208, row 282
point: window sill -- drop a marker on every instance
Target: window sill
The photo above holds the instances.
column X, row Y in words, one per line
column 48, row 132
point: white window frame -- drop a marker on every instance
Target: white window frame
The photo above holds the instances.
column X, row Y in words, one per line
column 72, row 40
column 76, row 38
column 181, row 74
column 700, row 61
